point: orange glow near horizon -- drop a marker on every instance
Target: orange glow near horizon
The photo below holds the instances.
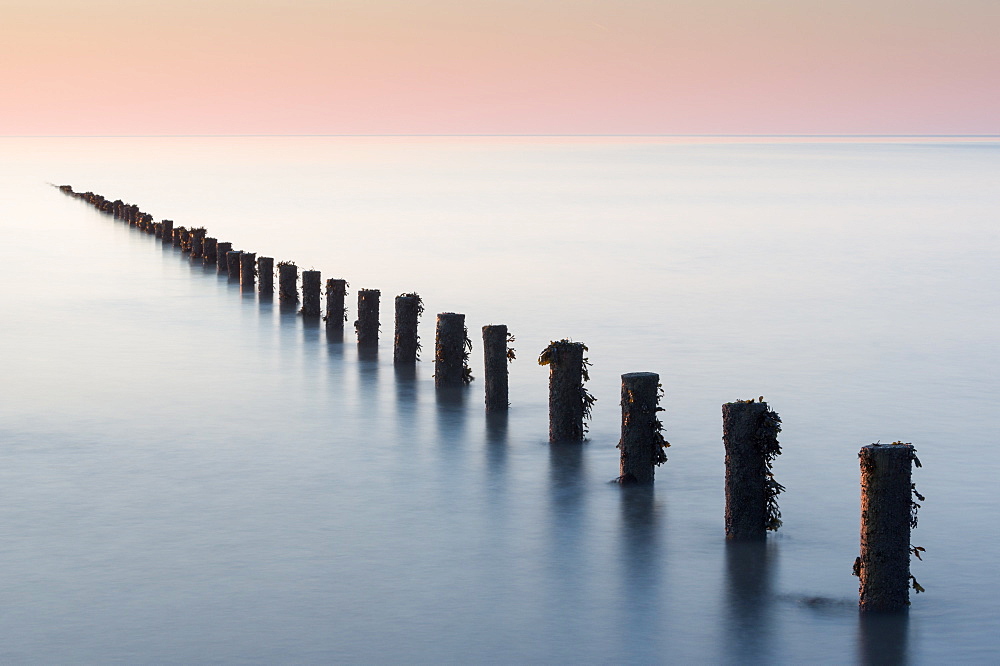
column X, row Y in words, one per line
column 500, row 67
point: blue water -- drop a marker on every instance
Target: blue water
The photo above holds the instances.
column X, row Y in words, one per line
column 190, row 475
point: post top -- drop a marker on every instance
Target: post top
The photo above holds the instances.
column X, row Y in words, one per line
column 640, row 375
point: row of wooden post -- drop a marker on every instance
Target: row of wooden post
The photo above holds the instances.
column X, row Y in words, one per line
column 750, row 427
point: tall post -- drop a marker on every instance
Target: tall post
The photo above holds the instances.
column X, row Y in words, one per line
column 367, row 322
column 407, row 342
column 887, row 514
column 641, row 442
column 248, row 270
column 336, row 311
column 496, row 355
column 233, row 264
column 310, row 294
column 288, row 282
column 222, row 250
column 210, row 251
column 265, row 275
column 568, row 399
column 750, row 435
column 451, row 351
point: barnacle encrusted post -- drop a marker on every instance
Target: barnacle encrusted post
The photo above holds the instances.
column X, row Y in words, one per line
column 887, row 514
column 642, row 442
column 366, row 324
column 265, row 276
column 569, row 400
column 750, row 434
column 248, row 271
column 288, row 282
column 496, row 356
column 311, row 285
column 167, row 231
column 406, row 345
column 336, row 310
column 197, row 241
column 210, row 250
column 222, row 250
column 233, row 264
column 451, row 351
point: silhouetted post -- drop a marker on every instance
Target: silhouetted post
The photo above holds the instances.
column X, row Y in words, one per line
column 408, row 309
column 147, row 223
column 310, row 294
column 336, row 310
column 222, row 250
column 179, row 236
column 233, row 264
column 211, row 250
column 197, row 242
column 366, row 324
column 886, row 518
column 288, row 282
column 567, row 396
column 265, row 275
column 248, row 270
column 641, row 442
column 496, row 356
column 750, row 434
column 185, row 239
column 451, row 351
column 167, row 231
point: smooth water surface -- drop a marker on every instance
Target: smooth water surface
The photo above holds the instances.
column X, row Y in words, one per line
column 189, row 474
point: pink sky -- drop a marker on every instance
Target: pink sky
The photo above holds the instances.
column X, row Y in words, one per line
column 500, row 67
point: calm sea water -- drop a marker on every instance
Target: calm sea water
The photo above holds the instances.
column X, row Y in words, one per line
column 188, row 475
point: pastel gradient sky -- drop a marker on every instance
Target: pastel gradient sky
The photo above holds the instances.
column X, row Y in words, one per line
column 499, row 67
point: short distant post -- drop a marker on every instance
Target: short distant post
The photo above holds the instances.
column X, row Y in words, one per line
column 185, row 239
column 451, row 351
column 336, row 312
column 566, row 393
column 197, row 242
column 179, row 233
column 167, row 231
column 248, row 270
column 211, row 250
column 233, row 264
column 496, row 357
column 641, row 442
column 288, row 282
column 265, row 275
column 367, row 322
column 750, row 435
column 884, row 565
column 408, row 309
column 222, row 250
column 310, row 294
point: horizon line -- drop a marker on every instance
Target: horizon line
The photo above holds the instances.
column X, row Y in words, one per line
column 386, row 135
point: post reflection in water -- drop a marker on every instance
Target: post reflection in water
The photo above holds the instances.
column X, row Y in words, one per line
column 639, row 567
column 750, row 601
column 883, row 638
column 496, row 444
column 451, row 414
column 567, row 516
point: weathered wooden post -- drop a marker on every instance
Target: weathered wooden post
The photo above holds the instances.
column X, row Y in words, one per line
column 641, row 442
column 233, row 264
column 750, row 434
column 887, row 514
column 185, row 239
column 569, row 400
column 222, row 250
column 210, row 251
column 409, row 307
column 265, row 276
column 248, row 270
column 288, row 282
column 197, row 242
column 451, row 351
column 167, row 231
column 179, row 236
column 311, row 286
column 336, row 310
column 496, row 356
column 366, row 324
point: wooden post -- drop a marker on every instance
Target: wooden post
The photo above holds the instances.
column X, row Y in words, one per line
column 211, row 250
column 641, row 442
column 167, row 231
column 222, row 250
column 451, row 351
column 179, row 236
column 185, row 239
column 336, row 310
column 233, row 264
column 265, row 276
column 288, row 282
column 366, row 325
column 496, row 355
column 310, row 294
column 197, row 242
column 569, row 401
column 750, row 434
column 248, row 270
column 887, row 514
column 407, row 342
